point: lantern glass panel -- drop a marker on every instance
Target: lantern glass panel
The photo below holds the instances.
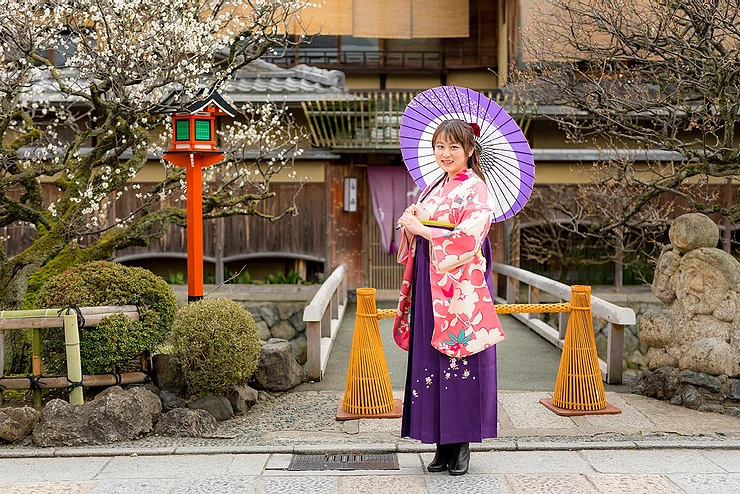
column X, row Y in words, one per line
column 182, row 130
column 202, row 130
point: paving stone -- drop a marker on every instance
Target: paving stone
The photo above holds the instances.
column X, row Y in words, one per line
column 127, row 486
column 631, row 420
column 729, row 460
column 278, row 462
column 166, row 467
column 650, row 461
column 247, row 465
column 50, row 469
column 634, row 484
column 523, row 462
column 469, row 484
column 221, row 485
column 704, row 483
column 550, row 484
column 672, row 418
column 375, row 484
column 46, row 487
column 525, row 412
column 380, row 425
column 302, row 484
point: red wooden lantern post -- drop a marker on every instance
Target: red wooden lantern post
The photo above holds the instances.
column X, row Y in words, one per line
column 194, row 148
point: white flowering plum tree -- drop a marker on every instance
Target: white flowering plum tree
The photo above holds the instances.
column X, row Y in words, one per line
column 78, row 80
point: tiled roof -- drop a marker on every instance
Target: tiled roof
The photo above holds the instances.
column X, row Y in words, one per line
column 258, row 81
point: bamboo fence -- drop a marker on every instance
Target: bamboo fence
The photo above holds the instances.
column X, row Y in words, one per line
column 68, row 318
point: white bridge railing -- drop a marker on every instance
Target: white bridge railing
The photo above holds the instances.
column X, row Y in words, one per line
column 323, row 315
column 616, row 317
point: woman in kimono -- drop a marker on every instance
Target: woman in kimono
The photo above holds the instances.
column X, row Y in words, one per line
column 446, row 319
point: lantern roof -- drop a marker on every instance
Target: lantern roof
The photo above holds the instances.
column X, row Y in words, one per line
column 205, row 97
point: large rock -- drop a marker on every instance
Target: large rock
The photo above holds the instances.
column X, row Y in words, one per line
column 297, row 321
column 710, row 356
column 183, row 422
column 277, row 369
column 114, row 415
column 218, row 406
column 242, row 398
column 300, row 348
column 662, row 383
column 283, row 330
column 17, row 423
column 692, row 231
column 270, row 314
column 170, row 401
column 264, row 330
column 168, row 375
column 700, row 379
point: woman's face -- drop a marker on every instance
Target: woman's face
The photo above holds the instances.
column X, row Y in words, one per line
column 451, row 156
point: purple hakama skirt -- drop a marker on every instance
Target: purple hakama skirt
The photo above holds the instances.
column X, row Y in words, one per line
column 446, row 400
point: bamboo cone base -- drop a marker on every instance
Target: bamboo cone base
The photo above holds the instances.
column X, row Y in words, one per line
column 565, row 412
column 393, row 414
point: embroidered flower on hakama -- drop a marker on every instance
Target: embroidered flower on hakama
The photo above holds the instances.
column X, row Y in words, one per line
column 447, row 376
column 414, row 393
column 428, row 382
column 466, row 374
column 453, row 363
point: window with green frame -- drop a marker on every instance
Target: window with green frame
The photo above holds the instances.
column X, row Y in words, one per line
column 202, row 130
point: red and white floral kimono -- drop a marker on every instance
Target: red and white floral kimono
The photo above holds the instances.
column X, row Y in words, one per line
column 465, row 321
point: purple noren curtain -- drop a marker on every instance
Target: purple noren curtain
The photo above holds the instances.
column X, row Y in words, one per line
column 392, row 189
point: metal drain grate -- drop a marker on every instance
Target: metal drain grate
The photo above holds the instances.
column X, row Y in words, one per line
column 349, row 461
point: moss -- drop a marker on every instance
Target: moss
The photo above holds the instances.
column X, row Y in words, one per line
column 116, row 340
column 217, row 344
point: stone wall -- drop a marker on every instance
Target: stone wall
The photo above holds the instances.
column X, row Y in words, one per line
column 282, row 320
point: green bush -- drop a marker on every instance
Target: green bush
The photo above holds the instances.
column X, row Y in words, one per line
column 217, row 344
column 117, row 339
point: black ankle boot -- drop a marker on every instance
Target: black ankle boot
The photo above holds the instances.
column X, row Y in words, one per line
column 441, row 458
column 460, row 459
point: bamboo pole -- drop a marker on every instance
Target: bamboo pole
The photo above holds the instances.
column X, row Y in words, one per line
column 56, row 321
column 89, row 380
column 36, row 365
column 2, row 352
column 74, row 366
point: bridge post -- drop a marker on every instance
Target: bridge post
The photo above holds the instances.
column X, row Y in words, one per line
column 614, row 353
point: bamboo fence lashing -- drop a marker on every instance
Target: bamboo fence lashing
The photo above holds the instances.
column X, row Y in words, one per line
column 368, row 392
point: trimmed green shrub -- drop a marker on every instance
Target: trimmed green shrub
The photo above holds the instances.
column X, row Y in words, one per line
column 217, row 344
column 117, row 339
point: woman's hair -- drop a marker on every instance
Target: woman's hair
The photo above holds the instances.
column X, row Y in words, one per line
column 457, row 130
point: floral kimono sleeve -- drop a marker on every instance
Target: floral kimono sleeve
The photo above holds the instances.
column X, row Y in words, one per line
column 471, row 212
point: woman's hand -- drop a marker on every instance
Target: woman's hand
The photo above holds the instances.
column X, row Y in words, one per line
column 409, row 220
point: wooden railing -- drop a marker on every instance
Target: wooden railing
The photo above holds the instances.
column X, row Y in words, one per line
column 372, row 119
column 323, row 315
column 616, row 317
column 360, row 59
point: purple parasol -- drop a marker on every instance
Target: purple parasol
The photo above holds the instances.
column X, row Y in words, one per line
column 505, row 156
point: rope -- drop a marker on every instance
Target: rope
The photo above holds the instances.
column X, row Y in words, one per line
column 33, row 382
column 73, row 385
column 506, row 309
column 117, row 376
column 80, row 317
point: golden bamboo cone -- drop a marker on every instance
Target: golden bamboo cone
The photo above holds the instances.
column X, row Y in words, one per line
column 368, row 390
column 579, row 385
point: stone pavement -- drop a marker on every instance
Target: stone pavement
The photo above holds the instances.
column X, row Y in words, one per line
column 711, row 471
